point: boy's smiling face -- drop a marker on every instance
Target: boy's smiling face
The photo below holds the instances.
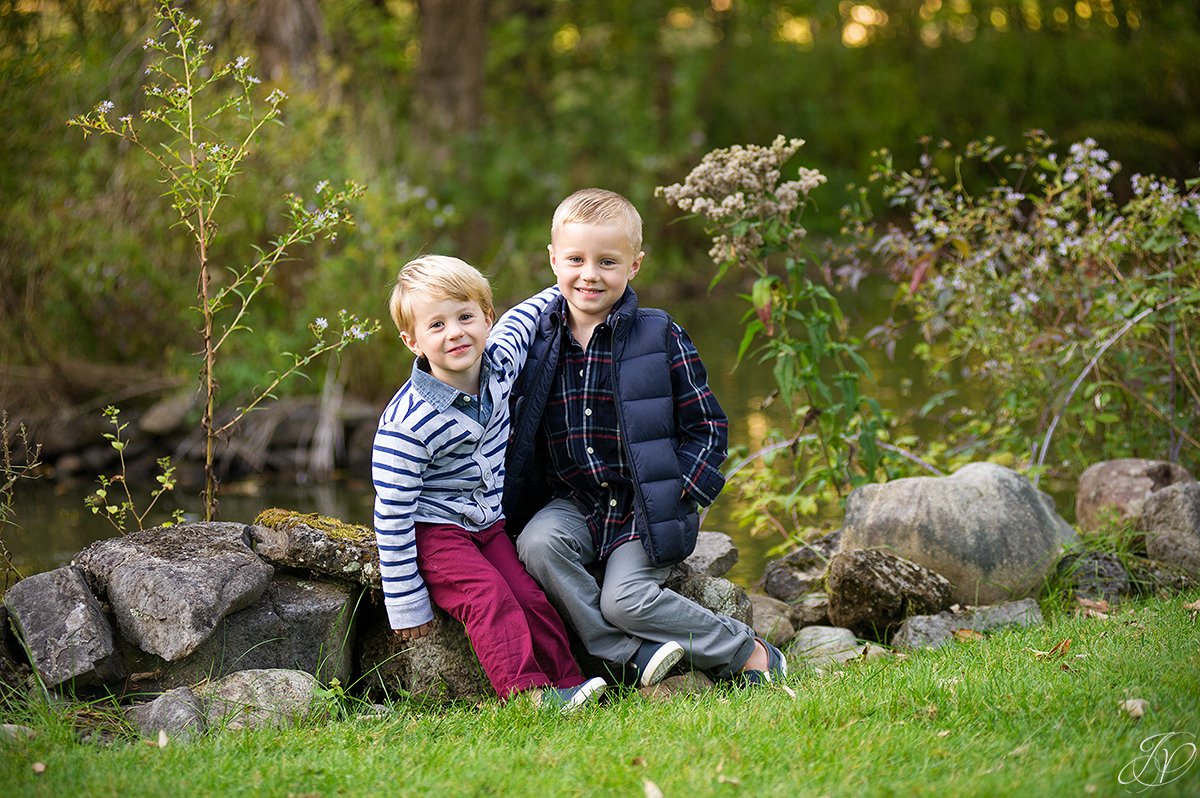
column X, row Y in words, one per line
column 593, row 263
column 451, row 334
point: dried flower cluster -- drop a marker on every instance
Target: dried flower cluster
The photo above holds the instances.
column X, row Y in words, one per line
column 739, row 193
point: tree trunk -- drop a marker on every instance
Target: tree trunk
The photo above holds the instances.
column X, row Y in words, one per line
column 289, row 35
column 449, row 80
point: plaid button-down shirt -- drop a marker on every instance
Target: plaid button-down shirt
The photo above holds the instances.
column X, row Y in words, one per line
column 587, row 460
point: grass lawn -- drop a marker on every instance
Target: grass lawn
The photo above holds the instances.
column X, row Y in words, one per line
column 1020, row 713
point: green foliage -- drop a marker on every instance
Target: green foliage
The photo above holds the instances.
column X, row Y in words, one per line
column 1024, row 270
column 11, row 473
column 209, row 115
column 119, row 508
column 754, row 217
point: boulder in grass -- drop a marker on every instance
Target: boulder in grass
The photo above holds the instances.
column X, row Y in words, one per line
column 258, row 698
column 1118, row 488
column 801, row 571
column 772, row 620
column 714, row 555
column 178, row 713
column 69, row 641
column 170, row 586
column 932, row 631
column 872, row 591
column 985, row 528
column 296, row 624
column 821, row 646
column 1171, row 520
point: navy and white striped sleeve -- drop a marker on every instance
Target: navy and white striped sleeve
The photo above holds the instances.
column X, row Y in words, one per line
column 398, row 464
column 510, row 338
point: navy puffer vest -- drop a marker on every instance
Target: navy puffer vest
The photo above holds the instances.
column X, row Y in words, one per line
column 666, row 521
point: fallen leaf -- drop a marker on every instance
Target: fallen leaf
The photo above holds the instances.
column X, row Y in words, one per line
column 162, row 738
column 1135, row 707
column 1088, row 612
column 789, row 691
column 1020, row 750
column 638, row 762
column 944, row 733
column 39, row 767
column 723, row 779
column 652, row 790
column 1194, row 606
column 963, row 635
column 1090, row 604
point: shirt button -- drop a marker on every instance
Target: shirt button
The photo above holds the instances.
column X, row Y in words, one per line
column 612, row 502
column 581, row 372
column 604, row 484
column 587, row 411
column 590, row 450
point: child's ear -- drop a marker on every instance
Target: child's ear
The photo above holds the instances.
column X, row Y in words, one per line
column 636, row 265
column 553, row 265
column 411, row 343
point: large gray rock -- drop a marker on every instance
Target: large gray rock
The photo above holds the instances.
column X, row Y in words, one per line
column 802, row 571
column 772, row 620
column 316, row 543
column 1118, row 488
column 169, row 587
column 1096, row 575
column 255, row 698
column 821, row 646
column 1171, row 520
column 811, row 609
column 439, row 667
column 713, row 593
column 715, row 554
column 871, row 591
column 177, row 712
column 985, row 528
column 932, row 631
column 295, row 625
column 70, row 642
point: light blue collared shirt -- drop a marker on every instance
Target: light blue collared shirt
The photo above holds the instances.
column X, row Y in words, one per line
column 442, row 396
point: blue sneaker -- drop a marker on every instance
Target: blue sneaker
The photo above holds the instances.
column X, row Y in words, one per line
column 776, row 667
column 653, row 661
column 569, row 699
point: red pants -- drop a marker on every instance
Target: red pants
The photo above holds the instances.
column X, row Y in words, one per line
column 476, row 577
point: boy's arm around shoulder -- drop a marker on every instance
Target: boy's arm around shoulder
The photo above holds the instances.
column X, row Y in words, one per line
column 510, row 339
column 398, row 461
column 702, row 425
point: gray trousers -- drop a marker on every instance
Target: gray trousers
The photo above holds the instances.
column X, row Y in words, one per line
column 612, row 618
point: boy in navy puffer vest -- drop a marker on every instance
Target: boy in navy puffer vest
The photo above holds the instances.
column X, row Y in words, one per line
column 616, row 442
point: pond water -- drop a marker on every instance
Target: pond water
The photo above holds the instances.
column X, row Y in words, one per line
column 54, row 524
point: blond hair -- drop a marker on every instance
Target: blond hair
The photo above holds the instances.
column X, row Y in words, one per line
column 599, row 206
column 439, row 277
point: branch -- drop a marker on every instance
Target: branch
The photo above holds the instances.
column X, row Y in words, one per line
column 1079, row 380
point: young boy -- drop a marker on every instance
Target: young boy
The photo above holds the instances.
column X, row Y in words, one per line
column 616, row 440
column 438, row 468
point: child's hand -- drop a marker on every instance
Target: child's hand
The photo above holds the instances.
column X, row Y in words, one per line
column 414, row 632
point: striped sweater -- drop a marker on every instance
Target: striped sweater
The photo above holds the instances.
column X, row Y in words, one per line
column 433, row 463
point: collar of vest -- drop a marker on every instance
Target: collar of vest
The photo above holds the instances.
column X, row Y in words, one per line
column 624, row 312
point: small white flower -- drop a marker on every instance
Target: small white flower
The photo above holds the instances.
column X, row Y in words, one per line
column 321, row 323
column 241, row 62
column 321, row 186
column 105, row 107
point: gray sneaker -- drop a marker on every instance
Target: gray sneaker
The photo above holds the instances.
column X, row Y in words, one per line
column 569, row 699
column 653, row 661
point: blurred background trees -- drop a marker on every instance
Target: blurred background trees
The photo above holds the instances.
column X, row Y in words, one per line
column 469, row 120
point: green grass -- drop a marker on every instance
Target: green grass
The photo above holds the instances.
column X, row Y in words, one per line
column 987, row 718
